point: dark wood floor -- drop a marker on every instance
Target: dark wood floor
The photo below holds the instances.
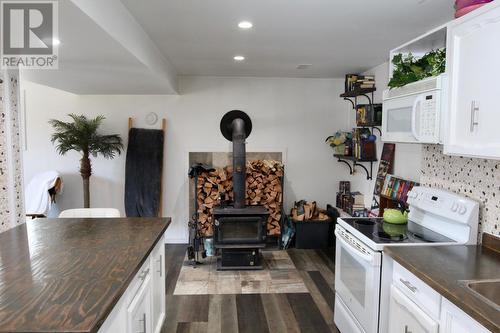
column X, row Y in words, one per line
column 255, row 313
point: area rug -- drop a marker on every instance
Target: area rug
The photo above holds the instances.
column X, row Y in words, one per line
column 278, row 276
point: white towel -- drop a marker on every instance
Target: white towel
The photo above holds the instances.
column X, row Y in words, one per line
column 37, row 193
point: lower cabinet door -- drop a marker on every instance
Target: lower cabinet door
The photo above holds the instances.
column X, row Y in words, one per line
column 158, row 286
column 406, row 317
column 139, row 310
column 454, row 320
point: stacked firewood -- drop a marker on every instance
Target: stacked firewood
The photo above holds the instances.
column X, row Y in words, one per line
column 263, row 187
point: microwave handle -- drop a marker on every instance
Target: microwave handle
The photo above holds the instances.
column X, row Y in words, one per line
column 416, row 104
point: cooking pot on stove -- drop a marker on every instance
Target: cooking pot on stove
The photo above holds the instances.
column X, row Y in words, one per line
column 395, row 216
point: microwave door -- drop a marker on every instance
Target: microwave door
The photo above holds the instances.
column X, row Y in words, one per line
column 397, row 119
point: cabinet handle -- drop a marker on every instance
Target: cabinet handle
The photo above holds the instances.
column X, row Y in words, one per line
column 474, row 108
column 408, row 285
column 161, row 269
column 144, row 274
column 406, row 329
column 143, row 320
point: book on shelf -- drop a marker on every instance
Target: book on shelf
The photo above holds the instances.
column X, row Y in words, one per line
column 396, row 188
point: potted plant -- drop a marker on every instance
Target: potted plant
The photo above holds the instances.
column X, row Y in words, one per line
column 82, row 135
column 408, row 68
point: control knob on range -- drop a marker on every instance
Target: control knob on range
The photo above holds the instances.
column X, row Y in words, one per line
column 462, row 210
column 454, row 207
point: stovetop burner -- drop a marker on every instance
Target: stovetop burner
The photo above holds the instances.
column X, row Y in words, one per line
column 392, row 238
column 364, row 222
column 381, row 232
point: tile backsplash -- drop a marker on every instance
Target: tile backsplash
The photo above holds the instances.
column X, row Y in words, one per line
column 478, row 179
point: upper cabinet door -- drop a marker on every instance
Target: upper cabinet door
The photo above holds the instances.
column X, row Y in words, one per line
column 474, row 71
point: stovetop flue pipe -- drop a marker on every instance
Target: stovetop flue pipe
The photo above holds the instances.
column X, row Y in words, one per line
column 236, row 126
column 239, row 162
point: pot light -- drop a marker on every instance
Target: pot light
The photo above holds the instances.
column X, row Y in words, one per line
column 245, row 25
column 56, row 42
column 239, row 58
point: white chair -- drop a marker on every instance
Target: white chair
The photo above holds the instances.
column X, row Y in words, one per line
column 90, row 212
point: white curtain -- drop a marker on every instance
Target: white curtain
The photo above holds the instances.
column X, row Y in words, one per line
column 11, row 174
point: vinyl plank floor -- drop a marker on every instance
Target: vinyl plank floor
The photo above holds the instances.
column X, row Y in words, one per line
column 310, row 311
column 307, row 313
column 251, row 315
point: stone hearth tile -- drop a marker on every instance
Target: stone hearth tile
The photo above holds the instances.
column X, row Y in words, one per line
column 227, row 286
column 255, row 287
column 191, row 288
column 273, row 264
column 255, row 275
column 285, row 275
column 216, row 275
column 194, row 274
column 287, row 287
column 275, row 255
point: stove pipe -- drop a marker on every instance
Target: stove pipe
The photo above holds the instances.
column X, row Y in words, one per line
column 239, row 162
column 236, row 126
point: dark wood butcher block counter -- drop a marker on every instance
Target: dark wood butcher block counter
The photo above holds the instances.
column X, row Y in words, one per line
column 443, row 267
column 66, row 275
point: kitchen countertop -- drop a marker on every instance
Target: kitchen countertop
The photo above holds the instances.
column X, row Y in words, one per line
column 442, row 267
column 66, row 275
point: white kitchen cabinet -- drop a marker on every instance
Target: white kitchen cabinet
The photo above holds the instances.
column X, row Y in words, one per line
column 473, row 62
column 454, row 320
column 158, row 287
column 139, row 311
column 405, row 315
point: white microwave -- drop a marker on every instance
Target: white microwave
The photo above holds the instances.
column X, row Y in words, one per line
column 414, row 113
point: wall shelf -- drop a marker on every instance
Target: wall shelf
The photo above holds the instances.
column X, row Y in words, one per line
column 352, row 96
column 353, row 162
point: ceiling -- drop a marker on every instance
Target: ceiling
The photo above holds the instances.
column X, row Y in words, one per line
column 93, row 62
column 139, row 47
column 200, row 37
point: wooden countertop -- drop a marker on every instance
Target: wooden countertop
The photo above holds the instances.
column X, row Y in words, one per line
column 66, row 275
column 442, row 267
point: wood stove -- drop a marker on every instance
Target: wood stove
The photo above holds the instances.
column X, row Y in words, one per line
column 240, row 231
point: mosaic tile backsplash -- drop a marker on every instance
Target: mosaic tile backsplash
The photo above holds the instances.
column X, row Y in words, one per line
column 11, row 192
column 478, row 179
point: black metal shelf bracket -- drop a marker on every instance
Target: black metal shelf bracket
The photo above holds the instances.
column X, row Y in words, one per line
column 369, row 174
column 351, row 170
column 376, row 128
column 350, row 100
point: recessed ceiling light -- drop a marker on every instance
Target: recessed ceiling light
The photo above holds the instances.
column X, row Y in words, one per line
column 239, row 58
column 304, row 66
column 56, row 42
column 245, row 25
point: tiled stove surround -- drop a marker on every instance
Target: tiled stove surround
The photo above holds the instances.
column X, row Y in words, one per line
column 478, row 179
column 11, row 182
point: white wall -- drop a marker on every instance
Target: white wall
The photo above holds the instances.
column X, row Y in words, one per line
column 290, row 115
column 407, row 159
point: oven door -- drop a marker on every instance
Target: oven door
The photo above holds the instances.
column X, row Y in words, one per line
column 357, row 280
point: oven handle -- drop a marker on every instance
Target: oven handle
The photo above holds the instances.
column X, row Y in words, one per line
column 366, row 257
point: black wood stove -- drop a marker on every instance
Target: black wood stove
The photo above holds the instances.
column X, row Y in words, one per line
column 239, row 231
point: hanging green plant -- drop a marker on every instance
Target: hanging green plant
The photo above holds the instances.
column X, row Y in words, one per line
column 408, row 69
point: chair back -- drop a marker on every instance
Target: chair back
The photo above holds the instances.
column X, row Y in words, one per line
column 90, row 212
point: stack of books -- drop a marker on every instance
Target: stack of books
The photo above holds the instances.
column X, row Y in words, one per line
column 396, row 188
column 357, row 82
column 366, row 82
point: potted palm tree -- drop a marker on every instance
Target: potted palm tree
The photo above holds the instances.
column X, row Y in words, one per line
column 82, row 136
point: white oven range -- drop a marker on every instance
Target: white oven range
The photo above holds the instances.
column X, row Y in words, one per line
column 436, row 217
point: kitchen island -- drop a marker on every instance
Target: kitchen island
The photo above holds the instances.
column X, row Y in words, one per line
column 83, row 275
